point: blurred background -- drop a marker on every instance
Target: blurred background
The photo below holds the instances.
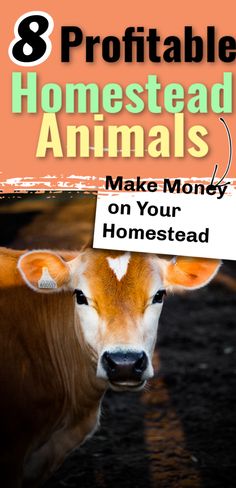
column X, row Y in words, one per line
column 181, row 431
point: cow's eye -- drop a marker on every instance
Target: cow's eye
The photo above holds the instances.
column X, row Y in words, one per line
column 80, row 297
column 158, row 297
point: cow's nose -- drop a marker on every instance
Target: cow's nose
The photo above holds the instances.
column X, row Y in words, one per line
column 124, row 366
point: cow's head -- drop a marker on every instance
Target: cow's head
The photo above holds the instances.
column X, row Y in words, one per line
column 118, row 298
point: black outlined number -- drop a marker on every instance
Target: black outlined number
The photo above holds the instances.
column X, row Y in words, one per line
column 31, row 45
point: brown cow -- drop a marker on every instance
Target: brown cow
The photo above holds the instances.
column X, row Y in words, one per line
column 73, row 324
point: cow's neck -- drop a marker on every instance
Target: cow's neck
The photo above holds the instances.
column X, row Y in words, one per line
column 74, row 362
column 58, row 361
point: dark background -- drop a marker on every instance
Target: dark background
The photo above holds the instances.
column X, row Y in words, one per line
column 181, row 431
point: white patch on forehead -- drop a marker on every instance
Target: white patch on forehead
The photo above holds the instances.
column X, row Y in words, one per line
column 119, row 265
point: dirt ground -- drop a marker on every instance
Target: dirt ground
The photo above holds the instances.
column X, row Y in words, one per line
column 181, row 431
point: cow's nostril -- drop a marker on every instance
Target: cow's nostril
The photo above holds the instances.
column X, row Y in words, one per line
column 141, row 363
column 108, row 362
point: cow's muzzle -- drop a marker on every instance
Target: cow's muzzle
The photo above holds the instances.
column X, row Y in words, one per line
column 125, row 368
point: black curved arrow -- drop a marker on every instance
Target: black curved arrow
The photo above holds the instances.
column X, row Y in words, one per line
column 229, row 159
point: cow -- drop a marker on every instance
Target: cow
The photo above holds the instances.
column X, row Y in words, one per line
column 72, row 325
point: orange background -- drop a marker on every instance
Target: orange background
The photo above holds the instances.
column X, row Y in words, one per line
column 20, row 131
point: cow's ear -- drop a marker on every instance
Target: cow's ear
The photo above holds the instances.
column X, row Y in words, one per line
column 44, row 271
column 190, row 273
